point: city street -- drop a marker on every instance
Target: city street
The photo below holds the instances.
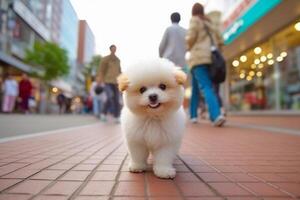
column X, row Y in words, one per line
column 250, row 158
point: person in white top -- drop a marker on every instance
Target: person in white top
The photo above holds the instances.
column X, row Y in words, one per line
column 11, row 91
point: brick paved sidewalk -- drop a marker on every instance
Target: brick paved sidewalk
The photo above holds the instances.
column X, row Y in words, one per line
column 286, row 122
column 91, row 163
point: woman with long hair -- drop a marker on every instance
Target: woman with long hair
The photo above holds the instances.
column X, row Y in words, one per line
column 199, row 44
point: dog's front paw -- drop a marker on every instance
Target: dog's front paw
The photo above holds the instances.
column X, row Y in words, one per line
column 164, row 172
column 137, row 168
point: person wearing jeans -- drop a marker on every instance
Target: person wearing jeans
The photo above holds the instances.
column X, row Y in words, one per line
column 199, row 45
column 196, row 101
column 201, row 78
column 112, row 104
column 110, row 69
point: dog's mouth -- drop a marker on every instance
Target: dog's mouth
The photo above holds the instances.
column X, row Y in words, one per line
column 154, row 105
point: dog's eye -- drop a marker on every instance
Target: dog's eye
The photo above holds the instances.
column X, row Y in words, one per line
column 162, row 86
column 143, row 89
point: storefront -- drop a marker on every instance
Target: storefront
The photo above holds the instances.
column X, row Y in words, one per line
column 264, row 59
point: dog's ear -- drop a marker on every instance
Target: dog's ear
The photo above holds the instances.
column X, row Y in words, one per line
column 123, row 82
column 180, row 77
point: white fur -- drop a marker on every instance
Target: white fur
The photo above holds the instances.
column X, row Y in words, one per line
column 156, row 131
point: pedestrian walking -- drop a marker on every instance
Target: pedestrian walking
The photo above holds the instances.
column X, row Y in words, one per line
column 61, row 101
column 25, row 89
column 10, row 93
column 98, row 94
column 197, row 101
column 172, row 45
column 199, row 45
column 110, row 69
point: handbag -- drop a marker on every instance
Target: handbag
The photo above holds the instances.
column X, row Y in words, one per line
column 217, row 70
column 98, row 89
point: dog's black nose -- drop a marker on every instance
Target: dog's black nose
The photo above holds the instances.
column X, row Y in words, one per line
column 153, row 97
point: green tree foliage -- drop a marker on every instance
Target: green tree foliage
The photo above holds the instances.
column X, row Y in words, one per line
column 93, row 65
column 50, row 58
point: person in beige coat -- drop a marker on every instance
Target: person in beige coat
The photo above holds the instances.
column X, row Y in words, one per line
column 109, row 70
column 199, row 45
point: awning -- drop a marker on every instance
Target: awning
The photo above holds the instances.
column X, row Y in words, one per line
column 62, row 85
column 19, row 64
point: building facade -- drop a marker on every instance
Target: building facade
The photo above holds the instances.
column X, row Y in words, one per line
column 86, row 43
column 263, row 56
column 86, row 48
column 68, row 36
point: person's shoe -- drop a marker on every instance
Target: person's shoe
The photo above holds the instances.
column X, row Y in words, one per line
column 219, row 121
column 117, row 120
column 103, row 118
column 194, row 120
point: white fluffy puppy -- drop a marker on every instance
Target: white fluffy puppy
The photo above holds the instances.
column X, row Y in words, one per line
column 153, row 119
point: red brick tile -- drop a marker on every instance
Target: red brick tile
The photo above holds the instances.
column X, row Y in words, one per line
column 202, row 168
column 269, row 177
column 14, row 197
column 213, row 177
column 165, row 198
column 186, row 177
column 85, row 167
column 204, row 198
column 61, row 166
column 125, row 168
column 5, row 183
column 92, row 161
column 47, row 197
column 130, row 189
column 290, row 177
column 97, row 188
column 75, row 176
column 230, row 189
column 128, row 176
column 293, row 188
column 278, row 198
column 21, row 173
column 195, row 189
column 181, row 168
column 48, row 174
column 91, row 198
column 29, row 187
column 63, row 188
column 10, row 168
column 108, row 168
column 129, row 198
column 113, row 161
column 104, row 176
column 228, row 168
column 162, row 189
column 240, row 177
column 242, row 198
column 263, row 189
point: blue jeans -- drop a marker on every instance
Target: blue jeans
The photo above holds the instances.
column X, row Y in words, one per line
column 97, row 107
column 195, row 97
column 112, row 104
column 201, row 79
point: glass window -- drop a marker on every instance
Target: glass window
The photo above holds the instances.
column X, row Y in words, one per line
column 267, row 76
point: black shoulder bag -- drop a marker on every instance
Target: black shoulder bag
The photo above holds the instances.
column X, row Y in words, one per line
column 217, row 69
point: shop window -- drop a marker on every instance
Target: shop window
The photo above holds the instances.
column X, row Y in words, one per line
column 267, row 76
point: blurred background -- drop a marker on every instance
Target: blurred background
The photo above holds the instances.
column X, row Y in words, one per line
column 262, row 48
